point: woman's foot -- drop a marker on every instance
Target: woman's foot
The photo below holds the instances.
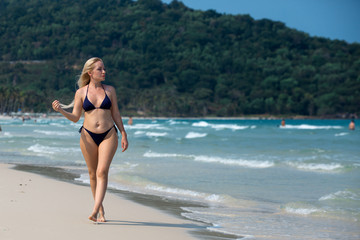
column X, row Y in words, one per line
column 101, row 215
column 101, row 218
column 93, row 218
column 98, row 216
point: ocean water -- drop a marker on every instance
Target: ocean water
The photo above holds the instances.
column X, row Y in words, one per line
column 253, row 179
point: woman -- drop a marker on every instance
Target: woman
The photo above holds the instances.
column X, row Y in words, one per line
column 98, row 140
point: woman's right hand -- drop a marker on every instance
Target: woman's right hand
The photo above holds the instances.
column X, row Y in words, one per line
column 56, row 105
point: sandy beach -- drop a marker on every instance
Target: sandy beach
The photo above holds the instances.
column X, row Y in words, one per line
column 36, row 207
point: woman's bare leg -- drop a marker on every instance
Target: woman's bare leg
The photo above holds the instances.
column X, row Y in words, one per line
column 106, row 152
column 90, row 152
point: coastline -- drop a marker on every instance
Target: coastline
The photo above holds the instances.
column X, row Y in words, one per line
column 130, row 215
column 36, row 206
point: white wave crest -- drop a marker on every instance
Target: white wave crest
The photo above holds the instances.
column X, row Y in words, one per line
column 38, row 148
column 58, row 124
column 195, row 135
column 156, row 134
column 330, row 167
column 233, row 127
column 7, row 134
column 201, row 124
column 207, row 159
column 161, row 155
column 341, row 134
column 237, row 162
column 139, row 132
column 228, row 126
column 151, row 134
column 347, row 194
column 183, row 193
column 310, row 127
column 174, row 122
column 302, row 211
column 55, row 133
column 147, row 126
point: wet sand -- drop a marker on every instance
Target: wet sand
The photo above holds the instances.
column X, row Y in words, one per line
column 37, row 207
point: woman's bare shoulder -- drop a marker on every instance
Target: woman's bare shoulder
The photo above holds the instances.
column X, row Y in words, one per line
column 109, row 88
column 81, row 90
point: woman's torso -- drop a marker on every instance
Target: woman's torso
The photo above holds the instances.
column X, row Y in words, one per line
column 97, row 120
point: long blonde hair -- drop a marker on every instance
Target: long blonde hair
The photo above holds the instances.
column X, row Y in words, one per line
column 84, row 78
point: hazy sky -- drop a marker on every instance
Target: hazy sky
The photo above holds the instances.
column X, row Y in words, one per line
column 334, row 19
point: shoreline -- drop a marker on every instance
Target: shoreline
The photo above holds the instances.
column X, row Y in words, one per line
column 187, row 229
column 36, row 206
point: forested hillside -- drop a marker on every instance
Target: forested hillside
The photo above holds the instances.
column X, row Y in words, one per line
column 170, row 60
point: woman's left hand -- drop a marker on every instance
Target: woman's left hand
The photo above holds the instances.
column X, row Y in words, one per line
column 56, row 105
column 124, row 143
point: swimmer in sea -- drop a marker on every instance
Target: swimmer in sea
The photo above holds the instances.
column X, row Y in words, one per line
column 283, row 123
column 352, row 125
column 130, row 121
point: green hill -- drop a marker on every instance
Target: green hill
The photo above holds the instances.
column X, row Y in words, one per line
column 170, row 60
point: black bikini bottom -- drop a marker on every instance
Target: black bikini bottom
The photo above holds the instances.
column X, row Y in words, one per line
column 98, row 137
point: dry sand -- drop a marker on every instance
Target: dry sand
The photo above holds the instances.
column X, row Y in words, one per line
column 36, row 207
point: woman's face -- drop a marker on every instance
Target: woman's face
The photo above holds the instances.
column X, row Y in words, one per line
column 98, row 72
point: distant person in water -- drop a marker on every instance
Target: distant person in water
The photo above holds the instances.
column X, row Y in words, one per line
column 283, row 122
column 98, row 139
column 130, row 121
column 352, row 125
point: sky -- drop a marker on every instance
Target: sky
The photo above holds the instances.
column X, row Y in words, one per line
column 333, row 19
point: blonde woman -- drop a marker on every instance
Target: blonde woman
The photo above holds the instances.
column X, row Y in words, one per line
column 99, row 139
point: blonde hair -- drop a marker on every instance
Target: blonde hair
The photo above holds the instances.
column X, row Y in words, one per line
column 84, row 78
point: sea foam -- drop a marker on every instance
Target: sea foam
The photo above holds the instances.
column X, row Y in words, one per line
column 190, row 135
column 183, row 194
column 235, row 162
column 302, row 211
column 218, row 160
column 341, row 195
column 233, row 127
column 310, row 127
column 38, row 148
column 174, row 122
column 150, row 154
column 156, row 134
column 341, row 134
column 55, row 133
column 321, row 167
column 151, row 134
column 147, row 126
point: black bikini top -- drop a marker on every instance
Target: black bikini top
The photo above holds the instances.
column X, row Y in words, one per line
column 88, row 106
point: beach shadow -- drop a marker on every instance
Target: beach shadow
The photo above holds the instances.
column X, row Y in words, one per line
column 151, row 224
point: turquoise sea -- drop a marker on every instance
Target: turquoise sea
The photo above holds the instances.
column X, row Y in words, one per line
column 250, row 178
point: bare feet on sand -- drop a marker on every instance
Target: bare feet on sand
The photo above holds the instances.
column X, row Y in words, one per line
column 95, row 217
column 101, row 217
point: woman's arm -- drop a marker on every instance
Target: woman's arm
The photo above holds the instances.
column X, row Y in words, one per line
column 117, row 119
column 76, row 113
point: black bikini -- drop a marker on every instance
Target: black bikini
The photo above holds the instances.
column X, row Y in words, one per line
column 98, row 137
column 88, row 106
